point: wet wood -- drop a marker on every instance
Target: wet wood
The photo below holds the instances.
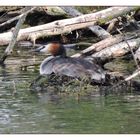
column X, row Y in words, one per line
column 66, row 25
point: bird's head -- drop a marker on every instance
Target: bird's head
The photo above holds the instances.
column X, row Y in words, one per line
column 55, row 49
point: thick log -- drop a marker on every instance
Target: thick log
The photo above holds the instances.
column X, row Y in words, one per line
column 100, row 45
column 66, row 25
column 137, row 54
column 96, row 29
column 108, row 42
column 117, row 50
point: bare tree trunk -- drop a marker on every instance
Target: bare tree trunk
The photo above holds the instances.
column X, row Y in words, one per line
column 66, row 25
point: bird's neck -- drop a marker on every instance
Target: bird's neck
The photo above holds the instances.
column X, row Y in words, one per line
column 61, row 52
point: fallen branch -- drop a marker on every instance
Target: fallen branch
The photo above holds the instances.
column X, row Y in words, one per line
column 117, row 50
column 108, row 42
column 132, row 76
column 100, row 45
column 112, row 25
column 129, row 81
column 137, row 54
column 96, row 29
column 10, row 47
column 66, row 25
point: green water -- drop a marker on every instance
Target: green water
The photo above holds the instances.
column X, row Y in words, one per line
column 25, row 111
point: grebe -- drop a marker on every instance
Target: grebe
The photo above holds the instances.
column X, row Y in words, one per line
column 60, row 64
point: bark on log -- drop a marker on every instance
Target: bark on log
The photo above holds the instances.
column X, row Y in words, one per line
column 108, row 42
column 137, row 54
column 100, row 45
column 96, row 29
column 116, row 50
column 67, row 25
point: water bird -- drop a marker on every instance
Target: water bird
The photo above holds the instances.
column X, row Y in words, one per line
column 60, row 64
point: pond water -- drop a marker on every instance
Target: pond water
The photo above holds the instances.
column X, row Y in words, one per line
column 23, row 110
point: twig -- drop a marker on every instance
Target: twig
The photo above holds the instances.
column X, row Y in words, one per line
column 126, row 79
column 132, row 76
column 112, row 25
column 3, row 15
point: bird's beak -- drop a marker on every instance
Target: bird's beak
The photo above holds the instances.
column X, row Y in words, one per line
column 38, row 49
column 44, row 49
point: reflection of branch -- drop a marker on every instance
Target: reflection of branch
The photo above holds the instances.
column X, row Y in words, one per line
column 14, row 87
column 24, row 66
column 10, row 47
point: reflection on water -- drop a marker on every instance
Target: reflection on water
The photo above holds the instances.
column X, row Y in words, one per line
column 25, row 111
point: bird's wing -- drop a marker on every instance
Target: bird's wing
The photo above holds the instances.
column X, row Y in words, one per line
column 46, row 66
column 69, row 67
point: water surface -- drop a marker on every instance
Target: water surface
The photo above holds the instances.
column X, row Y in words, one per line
column 23, row 110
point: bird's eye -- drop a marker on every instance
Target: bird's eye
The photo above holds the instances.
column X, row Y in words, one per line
column 43, row 47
